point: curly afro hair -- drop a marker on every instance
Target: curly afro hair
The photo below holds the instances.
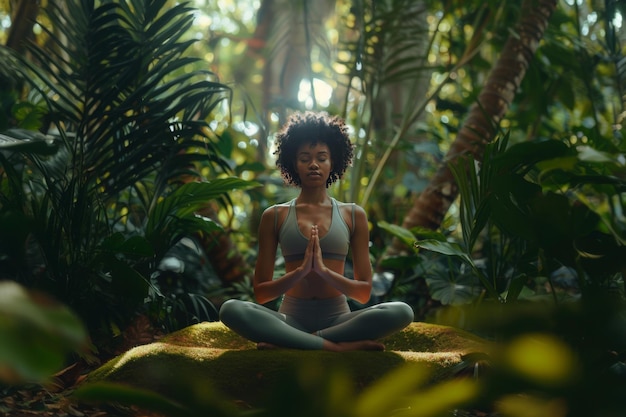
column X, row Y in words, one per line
column 313, row 128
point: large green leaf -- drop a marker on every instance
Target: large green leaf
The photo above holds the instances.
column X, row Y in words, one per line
column 454, row 290
column 454, row 249
column 444, row 248
column 401, row 233
column 37, row 335
column 174, row 215
column 526, row 154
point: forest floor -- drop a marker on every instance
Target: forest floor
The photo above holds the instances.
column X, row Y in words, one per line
column 55, row 399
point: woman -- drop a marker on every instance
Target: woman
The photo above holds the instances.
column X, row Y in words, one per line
column 315, row 233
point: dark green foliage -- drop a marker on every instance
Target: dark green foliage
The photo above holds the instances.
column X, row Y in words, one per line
column 91, row 202
column 37, row 335
column 528, row 212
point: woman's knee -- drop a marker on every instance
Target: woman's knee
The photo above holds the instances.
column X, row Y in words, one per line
column 231, row 309
column 402, row 312
column 408, row 313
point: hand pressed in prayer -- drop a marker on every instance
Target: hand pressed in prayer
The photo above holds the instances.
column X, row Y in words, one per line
column 318, row 260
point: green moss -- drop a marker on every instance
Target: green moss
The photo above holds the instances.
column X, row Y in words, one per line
column 208, row 334
column 426, row 337
column 418, row 337
column 210, row 355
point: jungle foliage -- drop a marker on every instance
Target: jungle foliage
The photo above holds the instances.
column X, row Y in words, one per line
column 89, row 207
column 115, row 141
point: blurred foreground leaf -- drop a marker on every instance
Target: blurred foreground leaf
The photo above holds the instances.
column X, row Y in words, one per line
column 37, row 334
column 103, row 392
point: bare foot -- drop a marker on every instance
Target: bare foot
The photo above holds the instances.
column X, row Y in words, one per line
column 266, row 346
column 356, row 345
column 334, row 347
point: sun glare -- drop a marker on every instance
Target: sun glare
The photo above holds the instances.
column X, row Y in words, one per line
column 322, row 90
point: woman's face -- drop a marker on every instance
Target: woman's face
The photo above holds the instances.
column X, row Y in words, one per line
column 313, row 164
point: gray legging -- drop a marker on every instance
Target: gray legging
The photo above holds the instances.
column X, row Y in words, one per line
column 304, row 324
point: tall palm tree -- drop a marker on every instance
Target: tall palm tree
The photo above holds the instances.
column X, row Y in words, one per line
column 481, row 124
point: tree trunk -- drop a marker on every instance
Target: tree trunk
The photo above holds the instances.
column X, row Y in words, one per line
column 23, row 18
column 484, row 116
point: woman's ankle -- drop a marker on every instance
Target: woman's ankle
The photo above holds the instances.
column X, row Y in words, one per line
column 352, row 346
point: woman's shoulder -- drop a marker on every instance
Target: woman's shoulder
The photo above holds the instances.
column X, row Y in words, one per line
column 349, row 206
column 278, row 206
column 351, row 210
column 277, row 212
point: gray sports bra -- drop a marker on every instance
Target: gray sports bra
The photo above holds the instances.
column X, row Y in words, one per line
column 335, row 243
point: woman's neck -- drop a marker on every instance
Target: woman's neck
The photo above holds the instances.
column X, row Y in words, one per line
column 313, row 196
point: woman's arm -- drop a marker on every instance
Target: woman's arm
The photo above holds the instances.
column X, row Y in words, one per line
column 360, row 288
column 266, row 288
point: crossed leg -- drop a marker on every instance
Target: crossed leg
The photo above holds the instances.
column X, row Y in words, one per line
column 372, row 322
column 350, row 331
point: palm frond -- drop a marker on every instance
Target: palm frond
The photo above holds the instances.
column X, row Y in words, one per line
column 129, row 110
column 388, row 40
column 120, row 82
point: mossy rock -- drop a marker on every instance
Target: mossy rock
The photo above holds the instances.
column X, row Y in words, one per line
column 210, row 355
